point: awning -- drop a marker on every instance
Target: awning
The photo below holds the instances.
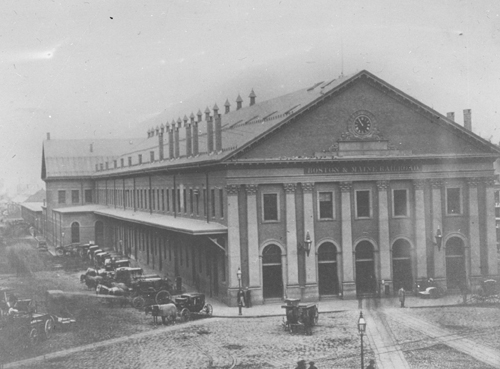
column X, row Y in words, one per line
column 184, row 225
column 79, row 209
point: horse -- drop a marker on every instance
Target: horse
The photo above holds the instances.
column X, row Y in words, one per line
column 167, row 312
column 113, row 291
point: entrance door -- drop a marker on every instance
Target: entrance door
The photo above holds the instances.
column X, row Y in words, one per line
column 272, row 277
column 455, row 263
column 328, row 282
column 75, row 232
column 401, row 265
column 365, row 269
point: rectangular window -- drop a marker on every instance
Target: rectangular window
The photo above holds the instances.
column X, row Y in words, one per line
column 191, row 200
column 270, row 207
column 197, row 195
column 497, row 213
column 140, row 158
column 178, row 200
column 152, row 156
column 129, row 161
column 168, row 199
column 121, row 162
column 115, row 163
column 400, row 203
column 363, row 204
column 325, row 200
column 158, row 207
column 453, row 201
column 184, row 200
column 107, row 165
column 221, row 202
column 497, row 197
column 162, row 199
column 61, row 196
column 88, row 196
column 75, row 196
column 212, row 201
column 153, row 203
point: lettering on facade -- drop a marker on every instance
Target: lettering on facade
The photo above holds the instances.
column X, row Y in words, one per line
column 363, row 169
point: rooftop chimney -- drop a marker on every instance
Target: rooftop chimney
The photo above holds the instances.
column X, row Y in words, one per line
column 199, row 114
column 207, row 114
column 48, row 136
column 171, row 140
column 227, row 105
column 239, row 100
column 210, row 132
column 188, row 135
column 218, row 131
column 160, row 140
column 467, row 119
column 252, row 97
column 195, row 134
column 176, row 138
column 450, row 116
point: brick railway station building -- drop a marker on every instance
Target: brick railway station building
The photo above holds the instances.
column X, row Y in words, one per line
column 321, row 193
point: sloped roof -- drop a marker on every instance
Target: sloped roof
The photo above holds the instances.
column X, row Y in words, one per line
column 240, row 129
column 78, row 157
column 39, row 196
column 33, row 206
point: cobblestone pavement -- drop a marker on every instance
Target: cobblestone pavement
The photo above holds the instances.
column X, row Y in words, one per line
column 221, row 343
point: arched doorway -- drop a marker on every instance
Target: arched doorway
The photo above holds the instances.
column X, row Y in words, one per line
column 401, row 265
column 455, row 262
column 99, row 233
column 272, row 277
column 365, row 268
column 75, row 232
column 328, row 281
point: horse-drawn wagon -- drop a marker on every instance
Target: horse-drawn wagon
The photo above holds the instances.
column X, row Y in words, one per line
column 185, row 307
column 300, row 316
column 147, row 291
column 486, row 293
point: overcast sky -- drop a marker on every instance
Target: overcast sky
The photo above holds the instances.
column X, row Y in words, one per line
column 107, row 69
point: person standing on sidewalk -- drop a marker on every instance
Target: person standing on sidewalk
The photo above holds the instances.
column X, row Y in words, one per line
column 402, row 295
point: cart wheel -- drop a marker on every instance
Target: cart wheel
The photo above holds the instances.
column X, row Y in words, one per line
column 162, row 297
column 34, row 336
column 138, row 302
column 185, row 315
column 208, row 309
column 59, row 251
column 49, row 327
column 316, row 316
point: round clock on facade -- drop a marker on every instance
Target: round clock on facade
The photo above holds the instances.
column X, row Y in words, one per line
column 362, row 125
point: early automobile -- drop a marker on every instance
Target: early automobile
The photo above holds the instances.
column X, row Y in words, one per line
column 300, row 316
column 193, row 305
column 147, row 291
column 127, row 275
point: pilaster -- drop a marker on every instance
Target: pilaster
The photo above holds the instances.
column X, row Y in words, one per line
column 420, row 231
column 348, row 285
column 437, row 223
column 233, row 238
column 292, row 288
column 253, row 236
column 474, row 240
column 383, row 224
column 490, row 228
column 311, row 279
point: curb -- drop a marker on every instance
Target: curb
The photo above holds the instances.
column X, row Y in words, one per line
column 269, row 315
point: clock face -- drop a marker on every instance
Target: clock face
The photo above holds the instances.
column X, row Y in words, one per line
column 362, row 125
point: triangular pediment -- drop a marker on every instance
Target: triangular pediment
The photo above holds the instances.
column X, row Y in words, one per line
column 365, row 117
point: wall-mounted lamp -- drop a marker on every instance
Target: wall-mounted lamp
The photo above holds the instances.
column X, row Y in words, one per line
column 439, row 239
column 306, row 246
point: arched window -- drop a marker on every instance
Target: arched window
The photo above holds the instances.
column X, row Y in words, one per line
column 328, row 282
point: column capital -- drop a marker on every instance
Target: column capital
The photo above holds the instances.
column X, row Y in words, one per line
column 473, row 181
column 232, row 189
column 345, row 186
column 419, row 184
column 382, row 185
column 307, row 186
column 251, row 189
column 290, row 187
column 437, row 183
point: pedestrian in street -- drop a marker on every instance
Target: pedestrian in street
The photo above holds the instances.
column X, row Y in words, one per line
column 301, row 364
column 402, row 295
column 241, row 298
column 372, row 364
column 312, row 366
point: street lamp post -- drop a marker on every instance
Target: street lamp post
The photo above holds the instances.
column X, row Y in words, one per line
column 238, row 274
column 361, row 330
